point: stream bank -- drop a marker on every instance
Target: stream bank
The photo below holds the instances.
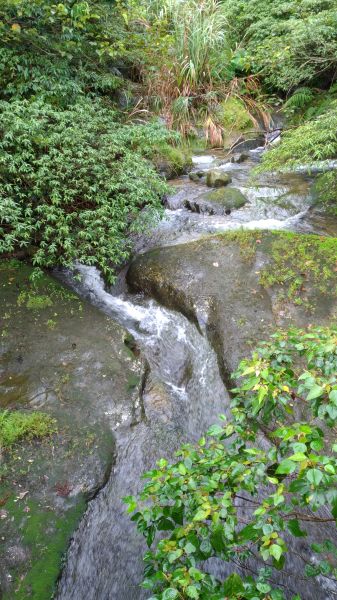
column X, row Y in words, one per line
column 61, row 356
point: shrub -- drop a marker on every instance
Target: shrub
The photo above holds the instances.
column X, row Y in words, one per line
column 18, row 425
column 311, row 144
column 232, row 498
column 73, row 182
column 289, row 43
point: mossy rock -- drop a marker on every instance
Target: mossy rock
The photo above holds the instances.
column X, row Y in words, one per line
column 217, row 178
column 171, row 161
column 196, row 176
column 229, row 198
column 239, row 157
column 247, row 283
column 217, row 202
column 235, row 115
column 53, row 462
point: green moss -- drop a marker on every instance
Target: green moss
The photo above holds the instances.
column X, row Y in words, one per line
column 177, row 158
column 301, row 266
column 235, row 115
column 18, row 425
column 231, row 198
column 45, row 536
column 34, row 301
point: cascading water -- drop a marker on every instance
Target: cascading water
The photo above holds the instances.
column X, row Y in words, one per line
column 182, row 395
column 179, row 402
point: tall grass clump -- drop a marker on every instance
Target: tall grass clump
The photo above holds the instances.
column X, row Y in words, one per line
column 191, row 70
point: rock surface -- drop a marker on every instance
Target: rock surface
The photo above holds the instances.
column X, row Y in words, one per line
column 217, row 202
column 216, row 282
column 217, row 178
column 63, row 357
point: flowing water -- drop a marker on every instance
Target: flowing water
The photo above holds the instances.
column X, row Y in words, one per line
column 182, row 393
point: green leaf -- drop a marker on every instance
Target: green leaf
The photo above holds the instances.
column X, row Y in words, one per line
column 294, row 528
column 333, row 396
column 275, row 551
column 201, row 515
column 285, row 467
column 182, row 469
column 170, row 594
column 298, row 457
column 233, row 585
column 315, row 392
column 314, row 476
column 173, row 556
column 192, row 591
column 189, row 548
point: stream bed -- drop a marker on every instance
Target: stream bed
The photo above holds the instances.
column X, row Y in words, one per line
column 131, row 372
column 183, row 390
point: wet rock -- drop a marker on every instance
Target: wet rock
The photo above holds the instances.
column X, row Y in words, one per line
column 220, row 277
column 196, row 176
column 217, row 202
column 193, row 177
column 69, row 361
column 217, row 178
column 239, row 157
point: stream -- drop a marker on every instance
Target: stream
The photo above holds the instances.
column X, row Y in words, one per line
column 182, row 391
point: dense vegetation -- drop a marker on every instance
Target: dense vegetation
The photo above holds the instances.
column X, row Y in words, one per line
column 84, row 81
column 235, row 498
column 74, row 177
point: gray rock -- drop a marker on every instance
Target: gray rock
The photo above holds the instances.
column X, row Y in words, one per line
column 217, row 202
column 70, row 361
column 239, row 157
column 217, row 178
column 221, row 273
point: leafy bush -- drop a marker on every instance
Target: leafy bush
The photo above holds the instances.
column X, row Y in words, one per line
column 310, row 144
column 189, row 67
column 232, row 498
column 290, row 42
column 59, row 51
column 73, row 182
column 18, row 425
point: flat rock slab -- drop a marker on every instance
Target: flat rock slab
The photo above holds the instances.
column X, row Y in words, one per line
column 61, row 356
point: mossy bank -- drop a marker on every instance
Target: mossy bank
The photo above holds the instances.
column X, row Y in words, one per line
column 67, row 380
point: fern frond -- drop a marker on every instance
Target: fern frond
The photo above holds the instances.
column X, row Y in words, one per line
column 300, row 98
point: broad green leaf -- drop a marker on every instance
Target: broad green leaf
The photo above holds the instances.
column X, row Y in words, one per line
column 314, row 476
column 285, row 467
column 192, row 592
column 233, row 586
column 315, row 392
column 275, row 551
column 294, row 528
column 170, row 594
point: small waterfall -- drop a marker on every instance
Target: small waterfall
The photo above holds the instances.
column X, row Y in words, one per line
column 182, row 398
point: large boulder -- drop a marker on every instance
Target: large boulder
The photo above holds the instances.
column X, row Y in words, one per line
column 240, row 286
column 217, row 202
column 217, row 178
